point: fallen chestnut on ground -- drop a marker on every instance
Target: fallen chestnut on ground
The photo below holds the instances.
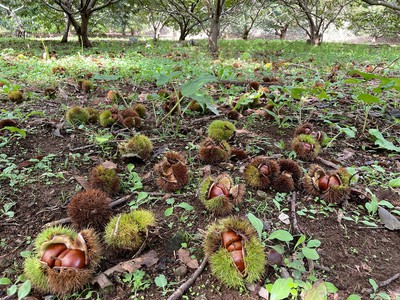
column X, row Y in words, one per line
column 306, row 147
column 220, row 195
column 64, row 261
column 236, row 254
column 288, row 177
column 260, row 172
column 213, row 152
column 332, row 187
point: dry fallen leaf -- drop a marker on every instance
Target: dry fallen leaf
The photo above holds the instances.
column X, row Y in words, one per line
column 109, row 165
column 388, row 219
column 184, row 256
column 148, row 259
column 82, row 181
column 102, row 281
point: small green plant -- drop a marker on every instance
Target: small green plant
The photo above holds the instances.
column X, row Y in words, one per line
column 131, row 181
column 350, row 132
column 137, row 281
column 7, row 210
column 170, row 210
column 373, row 205
column 162, row 282
column 375, row 294
column 22, row 290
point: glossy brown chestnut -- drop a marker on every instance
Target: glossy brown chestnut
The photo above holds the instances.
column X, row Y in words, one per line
column 334, row 181
column 235, row 246
column 237, row 256
column 52, row 252
column 229, row 237
column 71, row 258
column 264, row 169
column 323, row 183
column 218, row 190
column 307, row 146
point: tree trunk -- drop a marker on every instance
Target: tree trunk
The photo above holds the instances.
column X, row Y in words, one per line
column 283, row 31
column 245, row 34
column 183, row 32
column 84, row 30
column 315, row 37
column 214, row 34
column 66, row 32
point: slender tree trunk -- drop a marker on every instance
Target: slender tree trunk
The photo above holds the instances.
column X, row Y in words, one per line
column 183, row 32
column 214, row 34
column 84, row 30
column 283, row 31
column 66, row 32
column 245, row 34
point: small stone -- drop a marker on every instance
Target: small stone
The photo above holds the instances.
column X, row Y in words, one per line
column 263, row 293
column 201, row 297
column 181, row 271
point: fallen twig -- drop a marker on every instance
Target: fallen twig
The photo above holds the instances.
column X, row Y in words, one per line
column 326, row 163
column 383, row 283
column 243, row 83
column 293, row 214
column 179, row 292
column 297, row 228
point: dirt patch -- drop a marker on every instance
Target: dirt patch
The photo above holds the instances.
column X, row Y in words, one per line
column 42, row 183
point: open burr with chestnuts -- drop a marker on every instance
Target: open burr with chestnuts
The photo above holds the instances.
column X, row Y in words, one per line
column 64, row 260
column 332, row 187
column 236, row 254
column 220, row 195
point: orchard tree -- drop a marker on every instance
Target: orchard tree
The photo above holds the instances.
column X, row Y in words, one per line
column 186, row 15
column 246, row 16
column 122, row 15
column 79, row 13
column 315, row 16
column 394, row 4
column 216, row 9
column 376, row 21
column 11, row 12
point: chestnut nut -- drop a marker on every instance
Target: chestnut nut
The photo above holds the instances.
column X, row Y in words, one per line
column 51, row 253
column 71, row 258
column 326, row 181
column 218, row 190
column 58, row 255
column 264, row 169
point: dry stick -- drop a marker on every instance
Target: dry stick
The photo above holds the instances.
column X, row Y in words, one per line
column 311, row 263
column 242, row 83
column 179, row 292
column 384, row 283
column 327, row 163
column 296, row 227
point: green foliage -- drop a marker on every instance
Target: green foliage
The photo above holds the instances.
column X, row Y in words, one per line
column 22, row 290
column 192, row 89
column 137, row 281
column 257, row 223
column 281, row 235
column 381, row 141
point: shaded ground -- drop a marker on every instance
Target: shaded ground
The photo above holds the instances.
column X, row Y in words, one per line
column 41, row 169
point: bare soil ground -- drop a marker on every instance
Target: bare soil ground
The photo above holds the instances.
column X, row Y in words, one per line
column 352, row 251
